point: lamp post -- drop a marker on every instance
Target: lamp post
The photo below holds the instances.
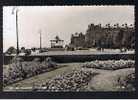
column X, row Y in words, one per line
column 17, row 37
column 40, row 41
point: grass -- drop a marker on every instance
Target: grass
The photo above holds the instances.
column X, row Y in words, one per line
column 106, row 80
column 39, row 79
column 112, row 81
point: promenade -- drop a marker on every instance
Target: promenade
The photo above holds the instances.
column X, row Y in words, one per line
column 76, row 56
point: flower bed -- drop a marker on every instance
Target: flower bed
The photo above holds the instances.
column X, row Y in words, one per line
column 110, row 64
column 73, row 81
column 20, row 70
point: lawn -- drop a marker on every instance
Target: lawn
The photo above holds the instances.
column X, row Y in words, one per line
column 121, row 79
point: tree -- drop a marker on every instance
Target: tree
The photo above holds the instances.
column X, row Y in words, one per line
column 11, row 50
column 57, row 38
column 22, row 49
column 33, row 49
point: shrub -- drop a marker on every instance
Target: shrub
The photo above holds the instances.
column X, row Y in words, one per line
column 110, row 64
column 19, row 69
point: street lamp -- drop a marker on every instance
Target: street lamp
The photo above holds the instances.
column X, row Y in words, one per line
column 40, row 40
column 15, row 10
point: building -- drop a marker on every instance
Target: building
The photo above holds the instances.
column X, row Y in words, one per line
column 107, row 36
column 78, row 40
column 57, row 43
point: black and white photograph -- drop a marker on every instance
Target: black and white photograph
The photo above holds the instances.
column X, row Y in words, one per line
column 69, row 48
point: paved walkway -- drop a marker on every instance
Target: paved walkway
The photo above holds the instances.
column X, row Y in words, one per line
column 28, row 83
column 84, row 52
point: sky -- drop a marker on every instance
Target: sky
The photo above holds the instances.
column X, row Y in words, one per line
column 57, row 20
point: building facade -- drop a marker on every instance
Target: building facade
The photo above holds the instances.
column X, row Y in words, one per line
column 107, row 37
column 57, row 43
column 78, row 40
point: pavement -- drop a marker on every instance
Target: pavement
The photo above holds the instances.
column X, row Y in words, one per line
column 84, row 52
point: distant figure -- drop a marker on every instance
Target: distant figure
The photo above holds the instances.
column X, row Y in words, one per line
column 100, row 45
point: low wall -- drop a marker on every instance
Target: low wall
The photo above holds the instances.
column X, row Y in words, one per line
column 56, row 49
column 74, row 58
